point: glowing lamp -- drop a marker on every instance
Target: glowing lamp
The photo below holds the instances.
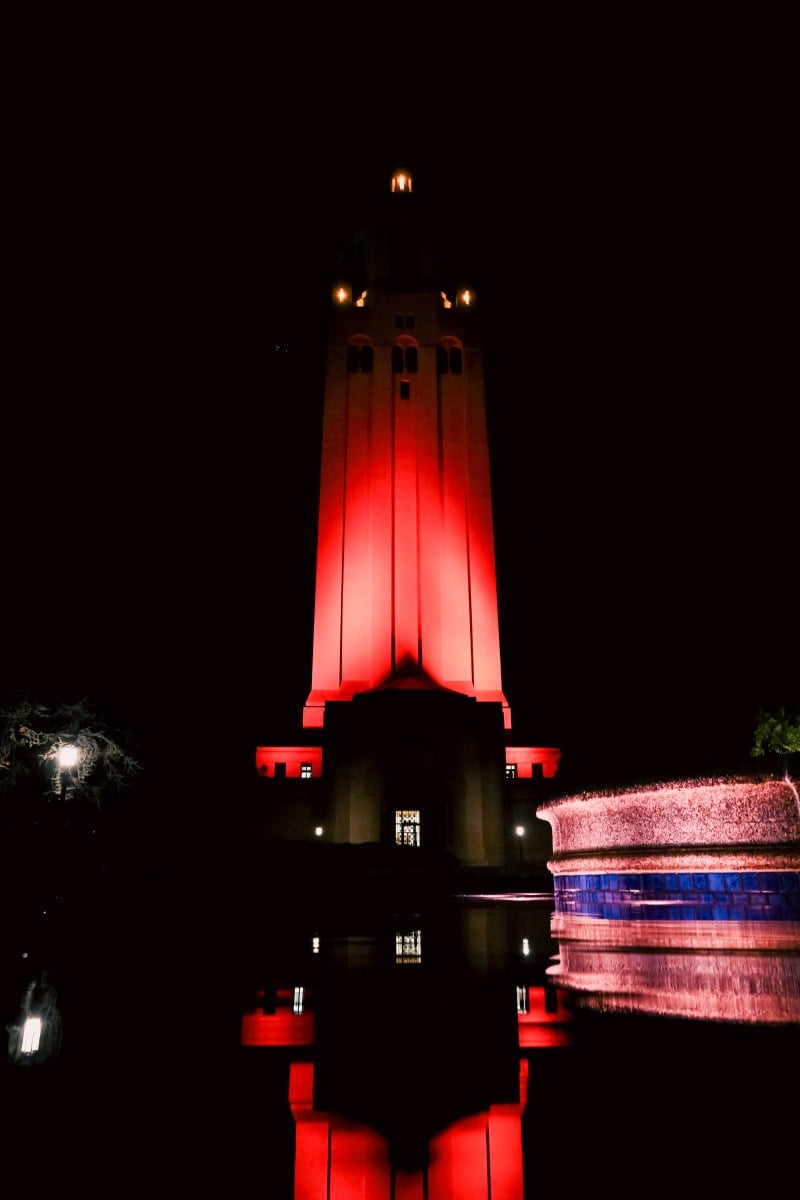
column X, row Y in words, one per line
column 67, row 757
column 31, row 1035
column 318, row 831
column 519, row 830
column 465, row 298
column 342, row 294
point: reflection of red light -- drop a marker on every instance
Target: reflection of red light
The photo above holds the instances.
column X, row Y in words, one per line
column 283, row 1027
column 539, row 1028
column 479, row 1155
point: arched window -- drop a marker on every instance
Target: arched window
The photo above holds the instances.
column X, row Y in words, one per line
column 359, row 357
column 449, row 358
column 405, row 359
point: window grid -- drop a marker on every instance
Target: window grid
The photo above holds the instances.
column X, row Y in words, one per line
column 408, row 947
column 407, row 827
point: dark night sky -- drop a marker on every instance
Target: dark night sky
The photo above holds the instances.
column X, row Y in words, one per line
column 628, row 233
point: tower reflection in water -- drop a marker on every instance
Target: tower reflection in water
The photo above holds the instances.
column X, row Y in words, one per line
column 409, row 1039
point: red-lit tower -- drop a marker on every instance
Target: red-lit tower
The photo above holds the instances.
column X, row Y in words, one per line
column 406, row 694
column 405, row 556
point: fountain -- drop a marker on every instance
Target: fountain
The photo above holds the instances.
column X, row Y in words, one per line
column 681, row 899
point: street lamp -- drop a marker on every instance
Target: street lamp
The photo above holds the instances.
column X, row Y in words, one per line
column 520, row 832
column 67, row 758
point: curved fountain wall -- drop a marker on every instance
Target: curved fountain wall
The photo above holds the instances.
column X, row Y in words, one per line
column 680, row 898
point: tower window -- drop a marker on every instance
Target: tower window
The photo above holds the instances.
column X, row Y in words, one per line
column 405, row 389
column 404, row 360
column 305, row 770
column 406, row 827
column 449, row 358
column 359, row 358
column 511, row 770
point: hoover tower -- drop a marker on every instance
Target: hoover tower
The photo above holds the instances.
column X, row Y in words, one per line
column 406, row 710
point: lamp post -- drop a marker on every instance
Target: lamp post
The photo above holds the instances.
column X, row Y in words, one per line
column 67, row 759
column 520, row 832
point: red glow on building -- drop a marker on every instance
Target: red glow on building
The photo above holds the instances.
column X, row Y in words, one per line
column 293, row 762
column 526, row 759
column 405, row 549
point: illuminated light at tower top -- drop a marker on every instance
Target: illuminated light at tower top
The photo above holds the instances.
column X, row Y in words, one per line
column 406, row 589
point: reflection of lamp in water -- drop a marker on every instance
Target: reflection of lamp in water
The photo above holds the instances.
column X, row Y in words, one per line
column 520, row 832
column 31, row 1035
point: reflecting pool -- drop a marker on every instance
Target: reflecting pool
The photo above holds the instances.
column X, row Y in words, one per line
column 634, row 1025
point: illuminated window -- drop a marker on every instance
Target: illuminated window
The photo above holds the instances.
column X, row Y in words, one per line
column 305, row 770
column 31, row 1035
column 406, row 827
column 408, row 947
column 522, row 999
column 299, row 1000
column 511, row 770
